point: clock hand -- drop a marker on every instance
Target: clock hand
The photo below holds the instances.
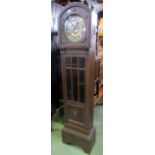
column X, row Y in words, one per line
column 76, row 28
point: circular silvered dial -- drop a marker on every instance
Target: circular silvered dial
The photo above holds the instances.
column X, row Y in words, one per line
column 74, row 28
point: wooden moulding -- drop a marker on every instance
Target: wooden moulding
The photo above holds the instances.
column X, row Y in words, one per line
column 85, row 141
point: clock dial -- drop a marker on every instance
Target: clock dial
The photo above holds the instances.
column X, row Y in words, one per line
column 74, row 28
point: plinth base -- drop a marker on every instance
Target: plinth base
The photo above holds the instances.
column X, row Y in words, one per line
column 82, row 140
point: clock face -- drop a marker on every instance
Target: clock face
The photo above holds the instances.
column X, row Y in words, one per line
column 74, row 28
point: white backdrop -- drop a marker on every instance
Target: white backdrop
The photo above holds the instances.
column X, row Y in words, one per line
column 25, row 31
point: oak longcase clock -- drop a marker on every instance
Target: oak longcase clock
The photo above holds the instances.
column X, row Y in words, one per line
column 77, row 42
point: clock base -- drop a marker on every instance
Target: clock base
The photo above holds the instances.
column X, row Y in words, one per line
column 82, row 140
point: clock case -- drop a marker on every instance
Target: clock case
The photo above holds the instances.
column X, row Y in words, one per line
column 78, row 115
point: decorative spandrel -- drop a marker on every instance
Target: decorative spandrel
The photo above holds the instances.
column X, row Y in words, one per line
column 74, row 28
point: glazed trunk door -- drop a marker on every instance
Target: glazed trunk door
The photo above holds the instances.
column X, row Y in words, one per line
column 75, row 91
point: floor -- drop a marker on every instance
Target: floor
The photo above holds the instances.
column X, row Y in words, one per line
column 59, row 148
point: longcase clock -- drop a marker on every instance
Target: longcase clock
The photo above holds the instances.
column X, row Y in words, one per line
column 77, row 42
